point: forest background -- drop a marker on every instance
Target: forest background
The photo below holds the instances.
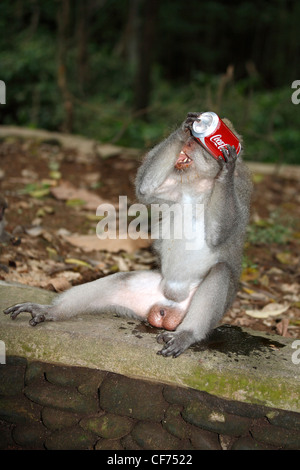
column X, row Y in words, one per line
column 128, row 71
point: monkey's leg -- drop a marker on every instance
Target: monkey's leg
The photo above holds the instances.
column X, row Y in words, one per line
column 126, row 294
column 209, row 303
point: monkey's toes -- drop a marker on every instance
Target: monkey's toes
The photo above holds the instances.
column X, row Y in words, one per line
column 37, row 319
column 14, row 311
column 34, row 309
column 175, row 343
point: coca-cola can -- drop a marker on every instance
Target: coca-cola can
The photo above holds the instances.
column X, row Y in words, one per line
column 213, row 134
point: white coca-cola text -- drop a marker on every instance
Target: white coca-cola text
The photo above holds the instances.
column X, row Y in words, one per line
column 217, row 141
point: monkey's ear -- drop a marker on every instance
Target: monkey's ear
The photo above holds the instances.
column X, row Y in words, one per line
column 230, row 125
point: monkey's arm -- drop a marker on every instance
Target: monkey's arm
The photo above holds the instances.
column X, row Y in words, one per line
column 223, row 210
column 157, row 165
column 160, row 161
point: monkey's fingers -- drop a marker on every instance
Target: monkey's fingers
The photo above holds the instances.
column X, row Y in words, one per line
column 229, row 153
column 34, row 309
column 225, row 153
column 193, row 115
column 187, row 125
column 14, row 310
column 232, row 151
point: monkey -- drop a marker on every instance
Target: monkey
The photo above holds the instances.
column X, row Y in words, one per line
column 224, row 187
column 199, row 275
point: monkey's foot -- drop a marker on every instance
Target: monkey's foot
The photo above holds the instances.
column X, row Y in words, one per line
column 176, row 342
column 38, row 312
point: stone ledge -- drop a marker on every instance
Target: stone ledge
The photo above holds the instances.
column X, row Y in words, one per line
column 240, row 365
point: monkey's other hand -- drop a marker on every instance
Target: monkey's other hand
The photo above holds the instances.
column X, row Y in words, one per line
column 37, row 312
column 176, row 342
column 227, row 163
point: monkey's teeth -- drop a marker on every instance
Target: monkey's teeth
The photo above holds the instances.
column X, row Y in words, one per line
column 183, row 159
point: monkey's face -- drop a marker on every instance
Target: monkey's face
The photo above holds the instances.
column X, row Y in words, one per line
column 193, row 157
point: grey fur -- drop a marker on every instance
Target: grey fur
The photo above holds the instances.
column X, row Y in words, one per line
column 226, row 198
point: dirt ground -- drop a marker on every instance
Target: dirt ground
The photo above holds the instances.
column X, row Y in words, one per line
column 53, row 193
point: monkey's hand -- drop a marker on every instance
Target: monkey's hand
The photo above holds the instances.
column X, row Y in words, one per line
column 186, row 126
column 175, row 342
column 227, row 163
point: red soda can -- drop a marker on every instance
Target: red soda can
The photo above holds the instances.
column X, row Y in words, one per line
column 213, row 134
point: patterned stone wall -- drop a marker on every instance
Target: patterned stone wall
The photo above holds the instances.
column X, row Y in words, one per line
column 45, row 406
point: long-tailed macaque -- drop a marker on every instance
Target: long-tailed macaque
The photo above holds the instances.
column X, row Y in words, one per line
column 198, row 276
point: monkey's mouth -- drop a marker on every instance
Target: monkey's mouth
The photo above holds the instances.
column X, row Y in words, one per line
column 184, row 161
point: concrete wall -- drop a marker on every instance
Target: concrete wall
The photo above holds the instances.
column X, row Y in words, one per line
column 57, row 407
column 97, row 383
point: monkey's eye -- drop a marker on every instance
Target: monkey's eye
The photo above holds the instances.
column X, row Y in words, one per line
column 162, row 312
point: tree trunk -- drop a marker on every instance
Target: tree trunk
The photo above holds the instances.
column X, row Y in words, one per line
column 63, row 16
column 82, row 41
column 148, row 18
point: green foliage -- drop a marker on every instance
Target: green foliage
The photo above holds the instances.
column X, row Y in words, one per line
column 191, row 54
column 275, row 229
column 28, row 69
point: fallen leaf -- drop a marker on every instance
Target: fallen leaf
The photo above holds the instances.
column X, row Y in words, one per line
column 91, row 243
column 59, row 284
column 249, row 291
column 35, row 231
column 270, row 310
column 290, row 288
column 51, row 252
column 67, row 192
column 75, row 202
column 284, row 257
column 249, row 274
column 264, row 280
column 39, row 193
column 78, row 262
column 55, row 175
